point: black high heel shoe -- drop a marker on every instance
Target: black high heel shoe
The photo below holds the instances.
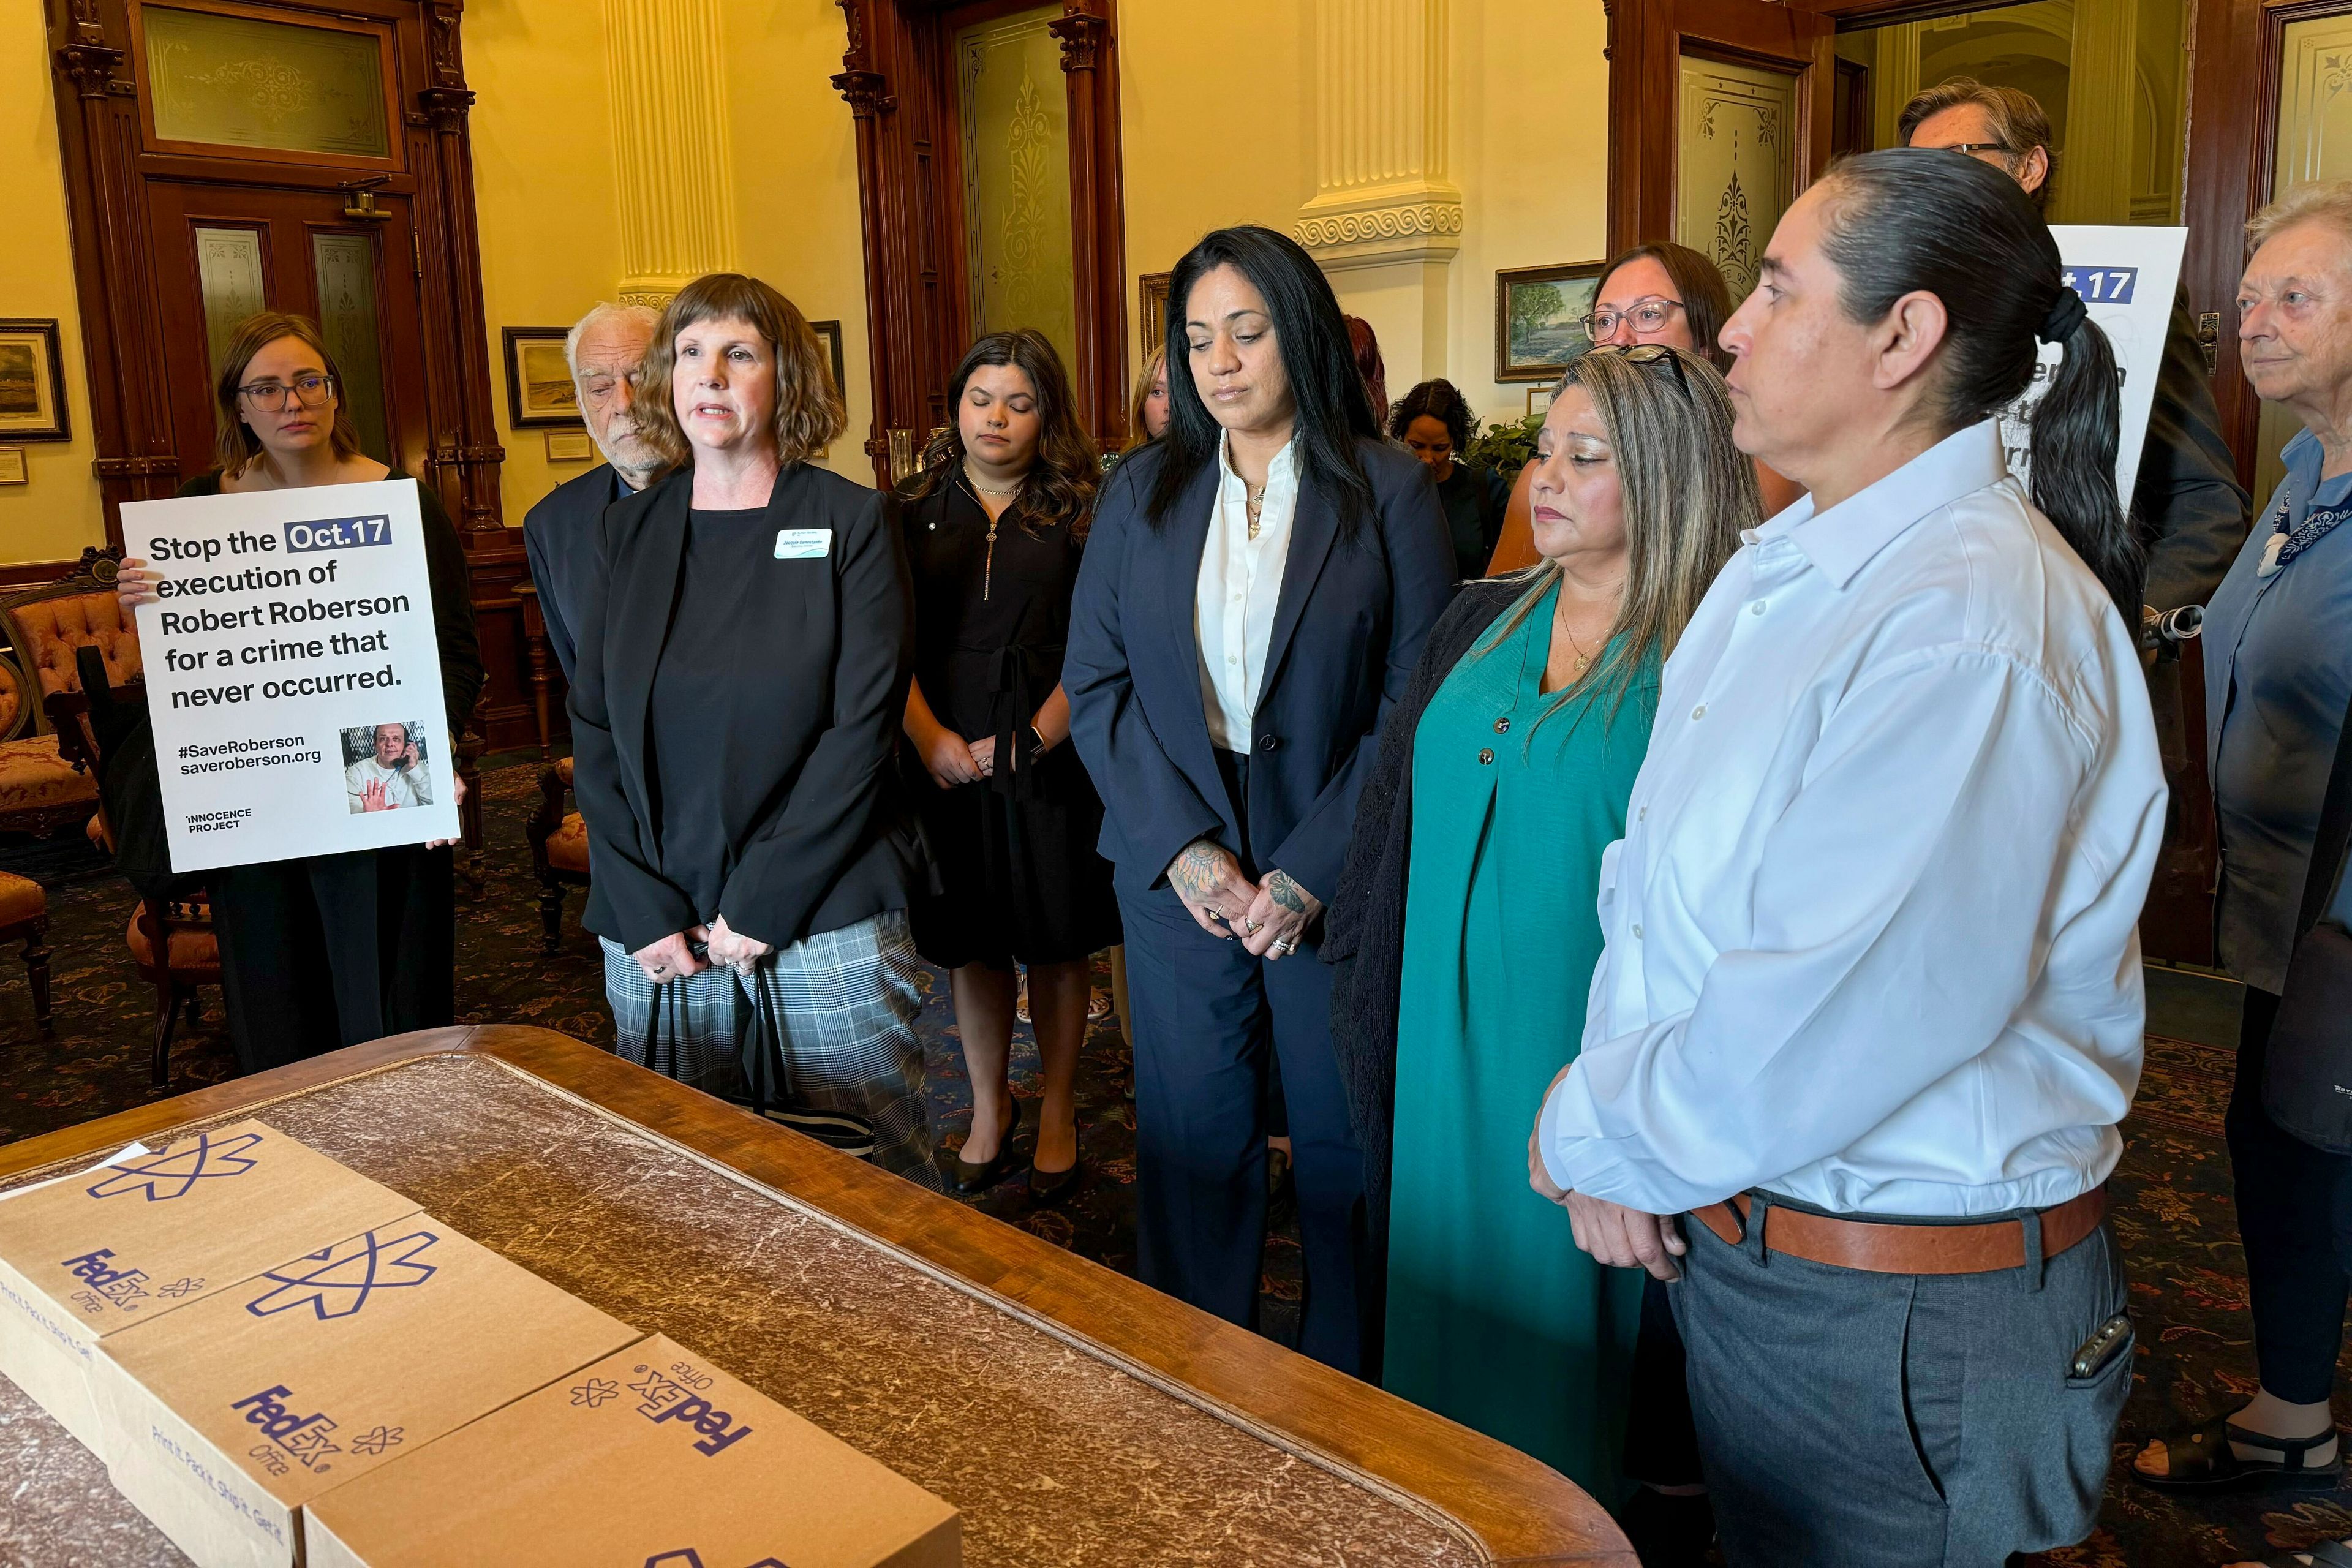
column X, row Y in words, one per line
column 1049, row 1187
column 968, row 1178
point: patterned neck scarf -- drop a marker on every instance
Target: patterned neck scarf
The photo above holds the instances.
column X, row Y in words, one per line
column 2285, row 544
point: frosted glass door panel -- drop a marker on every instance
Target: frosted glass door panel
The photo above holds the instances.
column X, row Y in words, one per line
column 1736, row 164
column 1015, row 128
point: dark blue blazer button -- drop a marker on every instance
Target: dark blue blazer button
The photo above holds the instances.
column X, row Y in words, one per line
column 1269, row 743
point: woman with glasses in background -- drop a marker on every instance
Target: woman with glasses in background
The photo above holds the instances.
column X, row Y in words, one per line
column 1464, row 929
column 327, row 950
column 1662, row 293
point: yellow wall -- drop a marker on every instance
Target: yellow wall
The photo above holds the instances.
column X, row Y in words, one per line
column 58, row 513
column 542, row 195
column 795, row 156
column 1206, row 139
column 1531, row 155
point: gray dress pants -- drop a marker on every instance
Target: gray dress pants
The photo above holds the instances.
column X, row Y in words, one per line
column 1859, row 1420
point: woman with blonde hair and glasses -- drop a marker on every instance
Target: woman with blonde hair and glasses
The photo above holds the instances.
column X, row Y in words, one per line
column 327, row 950
column 1465, row 932
column 744, row 656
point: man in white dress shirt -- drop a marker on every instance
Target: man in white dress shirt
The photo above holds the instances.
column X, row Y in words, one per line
column 1870, row 1005
column 391, row 776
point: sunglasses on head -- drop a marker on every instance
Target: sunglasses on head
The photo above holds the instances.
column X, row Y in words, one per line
column 1647, row 353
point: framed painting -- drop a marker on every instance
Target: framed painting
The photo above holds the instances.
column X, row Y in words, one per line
column 32, row 382
column 1539, row 319
column 829, row 334
column 1152, row 289
column 539, row 393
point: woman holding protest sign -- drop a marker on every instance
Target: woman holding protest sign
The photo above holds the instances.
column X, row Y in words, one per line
column 327, row 950
column 743, row 663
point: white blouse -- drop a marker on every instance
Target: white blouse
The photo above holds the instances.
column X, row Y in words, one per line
column 1239, row 586
column 1872, row 932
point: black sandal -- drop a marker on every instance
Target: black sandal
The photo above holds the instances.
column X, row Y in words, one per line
column 2203, row 1460
column 2326, row 1554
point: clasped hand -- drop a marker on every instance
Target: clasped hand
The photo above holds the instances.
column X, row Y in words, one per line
column 1610, row 1233
column 674, row 956
column 1270, row 915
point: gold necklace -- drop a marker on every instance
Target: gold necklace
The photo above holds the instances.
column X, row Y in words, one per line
column 1254, row 505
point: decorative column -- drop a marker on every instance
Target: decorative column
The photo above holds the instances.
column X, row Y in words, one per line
column 2093, row 182
column 1097, row 218
column 1385, row 213
column 677, row 176
column 1894, row 79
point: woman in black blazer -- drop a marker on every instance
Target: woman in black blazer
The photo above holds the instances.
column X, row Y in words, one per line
column 1254, row 596
column 744, row 660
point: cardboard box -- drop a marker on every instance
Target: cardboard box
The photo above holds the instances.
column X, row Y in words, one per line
column 153, row 1232
column 652, row 1459
column 225, row 1417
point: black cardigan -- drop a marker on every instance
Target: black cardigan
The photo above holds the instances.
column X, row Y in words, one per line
column 1363, row 931
column 810, row 806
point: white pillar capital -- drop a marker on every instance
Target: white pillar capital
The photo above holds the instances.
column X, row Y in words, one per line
column 1383, row 193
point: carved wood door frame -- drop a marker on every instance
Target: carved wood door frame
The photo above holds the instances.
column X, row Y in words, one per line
column 898, row 78
column 111, row 157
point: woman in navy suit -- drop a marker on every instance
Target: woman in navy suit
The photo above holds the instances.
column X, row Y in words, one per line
column 1254, row 596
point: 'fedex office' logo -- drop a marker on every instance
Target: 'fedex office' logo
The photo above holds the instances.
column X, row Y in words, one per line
column 119, row 1287
column 173, row 1173
column 306, row 1439
column 661, row 1398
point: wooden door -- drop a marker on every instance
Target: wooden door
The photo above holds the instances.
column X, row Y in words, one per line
column 1721, row 112
column 900, row 78
column 223, row 252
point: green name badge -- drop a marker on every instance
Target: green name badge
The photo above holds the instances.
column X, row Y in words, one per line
column 804, row 544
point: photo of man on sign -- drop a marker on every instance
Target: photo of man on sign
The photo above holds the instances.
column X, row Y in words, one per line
column 386, row 768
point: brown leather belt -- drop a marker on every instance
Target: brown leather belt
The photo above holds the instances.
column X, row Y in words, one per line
column 1907, row 1248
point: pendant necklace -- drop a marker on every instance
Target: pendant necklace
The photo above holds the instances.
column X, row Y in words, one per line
column 1255, row 506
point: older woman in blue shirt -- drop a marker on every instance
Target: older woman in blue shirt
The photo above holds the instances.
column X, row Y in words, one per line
column 2278, row 675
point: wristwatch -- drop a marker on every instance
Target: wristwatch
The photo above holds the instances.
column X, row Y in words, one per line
column 1038, row 750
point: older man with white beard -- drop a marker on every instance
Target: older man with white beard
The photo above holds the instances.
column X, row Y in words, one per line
column 603, row 350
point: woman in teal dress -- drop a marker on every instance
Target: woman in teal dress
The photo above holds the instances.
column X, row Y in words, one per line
column 1466, row 920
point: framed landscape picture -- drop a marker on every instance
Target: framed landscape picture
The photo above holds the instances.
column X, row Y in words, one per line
column 829, row 334
column 1539, row 319
column 540, row 393
column 32, row 382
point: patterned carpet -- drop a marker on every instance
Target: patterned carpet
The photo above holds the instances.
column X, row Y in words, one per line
column 2172, row 1193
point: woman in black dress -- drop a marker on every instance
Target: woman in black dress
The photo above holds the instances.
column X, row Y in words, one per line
column 994, row 526
column 326, row 951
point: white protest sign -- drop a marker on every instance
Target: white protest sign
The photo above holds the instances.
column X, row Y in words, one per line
column 293, row 673
column 2127, row 275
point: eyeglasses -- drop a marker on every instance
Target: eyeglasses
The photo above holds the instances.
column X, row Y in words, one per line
column 269, row 396
column 1648, row 354
column 1973, row 148
column 1647, row 316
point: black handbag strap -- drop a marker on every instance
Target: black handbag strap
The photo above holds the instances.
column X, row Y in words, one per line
column 2327, row 845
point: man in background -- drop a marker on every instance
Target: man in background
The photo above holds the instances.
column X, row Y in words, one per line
column 2186, row 499
column 605, row 350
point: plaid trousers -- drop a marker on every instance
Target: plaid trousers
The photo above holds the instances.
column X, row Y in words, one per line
column 845, row 1002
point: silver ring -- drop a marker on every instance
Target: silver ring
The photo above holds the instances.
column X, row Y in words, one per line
column 1285, row 947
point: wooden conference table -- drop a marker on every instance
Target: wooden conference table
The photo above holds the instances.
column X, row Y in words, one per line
column 1076, row 1416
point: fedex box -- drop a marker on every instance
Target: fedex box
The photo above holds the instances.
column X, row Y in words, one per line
column 225, row 1417
column 97, row 1253
column 651, row 1459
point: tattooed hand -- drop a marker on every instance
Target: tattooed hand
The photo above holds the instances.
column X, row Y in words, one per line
column 1209, row 879
column 1281, row 914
